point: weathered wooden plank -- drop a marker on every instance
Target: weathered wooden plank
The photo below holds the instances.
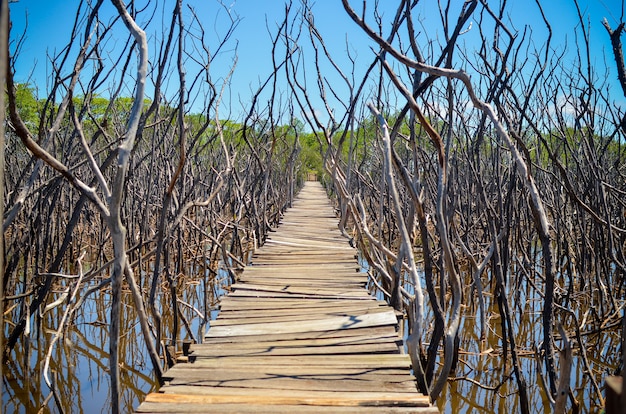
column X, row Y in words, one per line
column 378, row 347
column 290, row 316
column 325, row 324
column 331, row 243
column 217, row 395
column 347, row 266
column 295, row 242
column 309, row 274
column 180, row 407
column 301, row 290
column 276, row 252
column 283, row 371
column 303, row 311
column 357, row 283
column 264, row 310
column 311, row 271
column 345, row 333
column 365, row 361
column 266, row 294
column 302, row 384
column 278, row 246
column 286, row 315
column 343, row 267
column 235, row 303
column 235, row 343
column 255, row 379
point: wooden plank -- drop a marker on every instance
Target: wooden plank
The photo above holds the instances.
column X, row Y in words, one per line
column 217, row 395
column 180, row 407
column 235, row 303
column 325, row 324
column 364, row 361
column 287, row 295
column 303, row 311
column 271, row 248
column 311, row 270
column 345, row 333
column 269, row 305
column 381, row 347
column 289, row 316
column 309, row 371
column 294, row 242
column 277, row 252
column 330, row 260
column 347, row 268
column 235, row 343
column 302, row 384
column 301, row 290
column 310, row 274
column 357, row 283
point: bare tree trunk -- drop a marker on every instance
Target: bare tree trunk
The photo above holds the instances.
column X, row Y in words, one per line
column 118, row 230
column 162, row 237
column 618, row 53
column 406, row 250
column 4, row 45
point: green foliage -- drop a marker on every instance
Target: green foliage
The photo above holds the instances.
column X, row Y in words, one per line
column 566, row 145
column 28, row 106
column 97, row 105
column 310, row 156
column 292, row 144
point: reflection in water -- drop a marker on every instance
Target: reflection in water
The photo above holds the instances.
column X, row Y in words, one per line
column 80, row 362
column 483, row 381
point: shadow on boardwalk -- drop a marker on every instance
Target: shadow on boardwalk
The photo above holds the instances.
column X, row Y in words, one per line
column 298, row 333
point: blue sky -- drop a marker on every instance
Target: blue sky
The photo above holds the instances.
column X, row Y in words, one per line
column 50, row 23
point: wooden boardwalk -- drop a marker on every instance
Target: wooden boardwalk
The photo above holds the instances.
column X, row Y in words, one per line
column 298, row 333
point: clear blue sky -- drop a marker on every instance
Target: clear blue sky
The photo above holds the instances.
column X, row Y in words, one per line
column 50, row 23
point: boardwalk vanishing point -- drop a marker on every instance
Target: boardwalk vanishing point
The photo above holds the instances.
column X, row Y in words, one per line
column 298, row 333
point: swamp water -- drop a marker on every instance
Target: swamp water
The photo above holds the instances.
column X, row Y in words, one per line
column 482, row 382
